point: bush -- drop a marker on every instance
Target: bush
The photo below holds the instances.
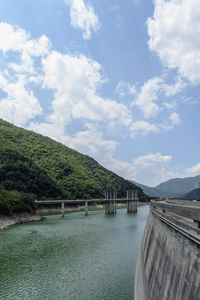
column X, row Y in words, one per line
column 12, row 202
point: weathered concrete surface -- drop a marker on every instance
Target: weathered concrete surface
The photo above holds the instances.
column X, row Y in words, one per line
column 168, row 265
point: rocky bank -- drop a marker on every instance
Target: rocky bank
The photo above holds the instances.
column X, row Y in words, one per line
column 6, row 221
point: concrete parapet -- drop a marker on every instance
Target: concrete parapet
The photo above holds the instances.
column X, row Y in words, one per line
column 190, row 212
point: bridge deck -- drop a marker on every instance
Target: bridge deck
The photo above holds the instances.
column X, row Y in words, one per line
column 82, row 201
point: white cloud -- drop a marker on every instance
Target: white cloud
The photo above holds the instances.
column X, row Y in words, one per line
column 193, row 171
column 151, row 160
column 124, row 88
column 13, row 38
column 156, row 90
column 150, row 169
column 173, row 89
column 169, row 123
column 54, row 131
column 75, row 80
column 142, row 128
column 189, row 101
column 175, row 120
column 174, row 31
column 83, row 17
column 170, row 105
column 91, row 142
column 19, row 105
column 147, row 97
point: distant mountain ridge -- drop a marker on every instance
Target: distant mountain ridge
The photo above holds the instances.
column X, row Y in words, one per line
column 153, row 192
column 188, row 187
column 180, row 185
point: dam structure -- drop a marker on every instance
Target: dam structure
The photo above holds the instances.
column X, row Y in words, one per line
column 168, row 264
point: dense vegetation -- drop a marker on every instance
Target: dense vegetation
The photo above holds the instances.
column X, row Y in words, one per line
column 34, row 164
column 12, row 202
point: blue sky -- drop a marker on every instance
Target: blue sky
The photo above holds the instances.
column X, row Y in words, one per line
column 116, row 80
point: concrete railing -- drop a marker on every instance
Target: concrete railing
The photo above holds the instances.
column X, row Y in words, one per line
column 187, row 210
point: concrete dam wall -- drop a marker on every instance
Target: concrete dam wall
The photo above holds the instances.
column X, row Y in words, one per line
column 168, row 265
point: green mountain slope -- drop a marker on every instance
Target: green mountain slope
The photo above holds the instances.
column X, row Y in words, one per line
column 32, row 163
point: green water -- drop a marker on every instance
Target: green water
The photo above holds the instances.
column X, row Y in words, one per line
column 72, row 258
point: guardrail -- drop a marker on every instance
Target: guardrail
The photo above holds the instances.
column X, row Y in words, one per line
column 183, row 231
column 185, row 210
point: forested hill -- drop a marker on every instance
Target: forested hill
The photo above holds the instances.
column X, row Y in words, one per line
column 35, row 164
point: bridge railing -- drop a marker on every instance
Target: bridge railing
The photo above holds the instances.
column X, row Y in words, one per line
column 79, row 201
column 188, row 210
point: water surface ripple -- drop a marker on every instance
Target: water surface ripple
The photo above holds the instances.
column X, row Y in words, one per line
column 72, row 258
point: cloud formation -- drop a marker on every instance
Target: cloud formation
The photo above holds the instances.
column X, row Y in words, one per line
column 174, row 30
column 83, row 17
column 13, row 38
column 18, row 103
column 124, row 88
column 74, row 82
column 150, row 168
column 193, row 171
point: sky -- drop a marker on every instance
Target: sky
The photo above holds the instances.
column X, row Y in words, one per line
column 118, row 80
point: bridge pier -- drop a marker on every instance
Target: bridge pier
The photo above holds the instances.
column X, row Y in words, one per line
column 110, row 207
column 132, row 198
column 86, row 208
column 62, row 209
column 110, row 203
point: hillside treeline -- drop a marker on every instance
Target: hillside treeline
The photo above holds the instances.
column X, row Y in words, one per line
column 36, row 165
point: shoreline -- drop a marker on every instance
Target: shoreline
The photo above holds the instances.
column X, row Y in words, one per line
column 6, row 221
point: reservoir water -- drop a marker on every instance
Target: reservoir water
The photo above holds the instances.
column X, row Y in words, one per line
column 72, row 258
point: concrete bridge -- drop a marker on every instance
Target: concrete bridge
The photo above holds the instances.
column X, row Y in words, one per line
column 168, row 264
column 110, row 202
